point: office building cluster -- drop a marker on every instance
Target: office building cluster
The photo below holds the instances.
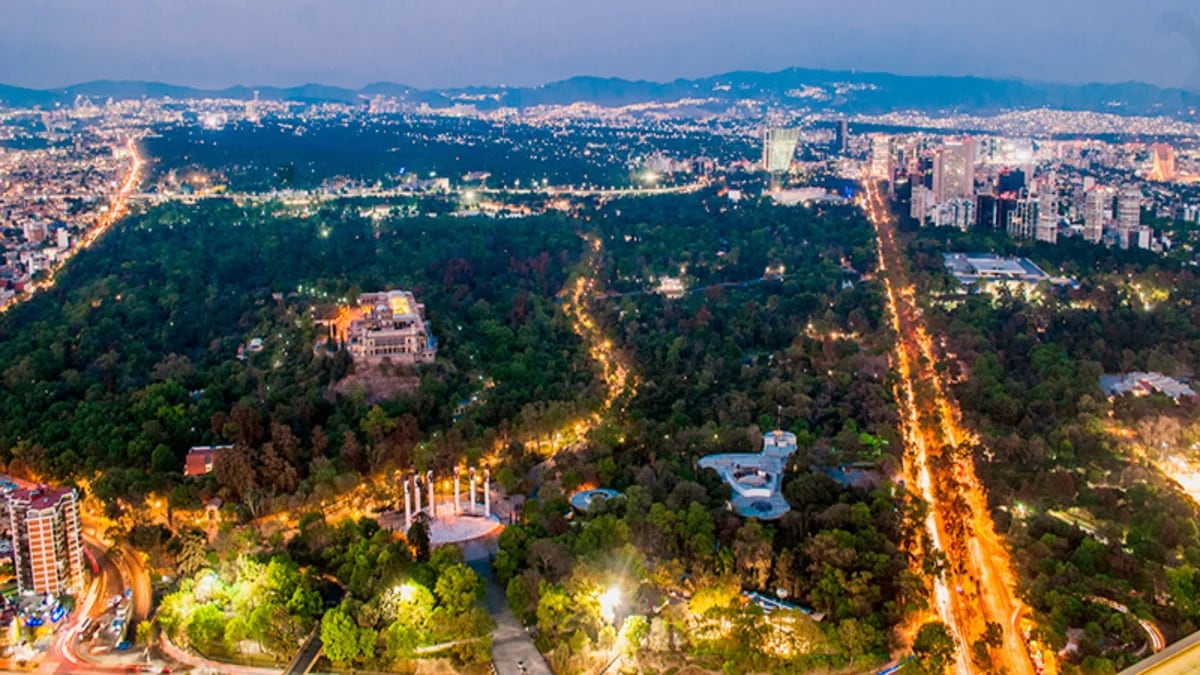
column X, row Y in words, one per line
column 1035, row 189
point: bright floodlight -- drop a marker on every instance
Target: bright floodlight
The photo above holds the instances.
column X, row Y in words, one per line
column 609, row 600
column 405, row 591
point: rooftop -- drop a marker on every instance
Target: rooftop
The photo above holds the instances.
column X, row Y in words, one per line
column 757, row 479
column 583, row 499
column 1142, row 384
column 41, row 497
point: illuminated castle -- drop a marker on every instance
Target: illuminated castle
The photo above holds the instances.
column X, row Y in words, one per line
column 393, row 325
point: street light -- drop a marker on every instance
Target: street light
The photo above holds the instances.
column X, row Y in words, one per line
column 609, row 600
column 405, row 591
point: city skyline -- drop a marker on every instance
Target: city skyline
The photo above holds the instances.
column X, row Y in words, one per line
column 224, row 42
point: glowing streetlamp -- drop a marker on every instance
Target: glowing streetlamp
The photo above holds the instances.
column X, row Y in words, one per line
column 609, row 600
column 405, row 591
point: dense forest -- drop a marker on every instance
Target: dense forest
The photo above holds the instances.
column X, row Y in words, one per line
column 130, row 359
column 716, row 368
column 281, row 154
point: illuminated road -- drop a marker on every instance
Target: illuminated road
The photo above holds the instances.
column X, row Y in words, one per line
column 299, row 198
column 977, row 586
column 63, row 656
column 618, row 378
column 1157, row 641
column 1181, row 658
column 117, row 208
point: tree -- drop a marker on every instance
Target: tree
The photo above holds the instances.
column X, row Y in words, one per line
column 857, row 638
column 234, row 471
column 305, row 603
column 719, row 595
column 993, row 635
column 145, row 634
column 933, row 648
column 278, row 470
column 205, row 627
column 633, row 634
column 752, row 546
column 458, row 588
column 192, row 553
column 339, row 635
column 418, row 538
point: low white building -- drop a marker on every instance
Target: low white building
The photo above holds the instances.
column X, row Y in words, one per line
column 757, row 479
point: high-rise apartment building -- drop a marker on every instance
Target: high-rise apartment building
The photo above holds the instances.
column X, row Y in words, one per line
column 954, row 171
column 1097, row 213
column 921, row 204
column 1047, row 223
column 1010, row 180
column 958, row 213
column 1022, row 220
column 881, row 157
column 47, row 540
column 1129, row 209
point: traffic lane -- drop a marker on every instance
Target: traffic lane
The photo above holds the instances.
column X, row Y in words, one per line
column 111, row 582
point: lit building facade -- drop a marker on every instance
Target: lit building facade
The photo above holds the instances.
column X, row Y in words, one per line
column 954, row 171
column 779, row 147
column 1022, row 219
column 1129, row 209
column 881, row 157
column 1164, row 162
column 1097, row 213
column 392, row 326
column 47, row 540
column 1047, row 221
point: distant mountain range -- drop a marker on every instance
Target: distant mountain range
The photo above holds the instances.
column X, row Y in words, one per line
column 841, row 91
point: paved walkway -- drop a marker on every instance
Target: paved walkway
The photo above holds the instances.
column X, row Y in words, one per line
column 512, row 647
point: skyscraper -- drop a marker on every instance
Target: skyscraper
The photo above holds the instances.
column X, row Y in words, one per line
column 47, row 546
column 1010, row 180
column 954, row 171
column 841, row 140
column 921, row 203
column 779, row 147
column 958, row 213
column 1129, row 209
column 1047, row 223
column 1164, row 162
column 1097, row 213
column 881, row 157
column 1022, row 220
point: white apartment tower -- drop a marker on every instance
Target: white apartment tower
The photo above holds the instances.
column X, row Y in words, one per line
column 881, row 157
column 954, row 171
column 1097, row 213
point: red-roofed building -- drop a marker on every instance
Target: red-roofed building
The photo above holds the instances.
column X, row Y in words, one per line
column 200, row 459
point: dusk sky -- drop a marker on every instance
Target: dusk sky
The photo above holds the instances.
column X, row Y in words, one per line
column 213, row 43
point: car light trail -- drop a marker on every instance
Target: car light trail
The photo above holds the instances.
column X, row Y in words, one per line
column 958, row 521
